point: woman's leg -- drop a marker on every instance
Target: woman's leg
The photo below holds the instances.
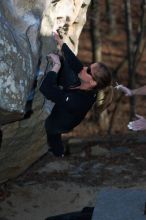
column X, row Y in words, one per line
column 1, row 136
column 56, row 145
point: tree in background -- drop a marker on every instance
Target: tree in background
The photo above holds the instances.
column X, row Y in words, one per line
column 111, row 17
column 135, row 46
column 95, row 31
column 135, row 43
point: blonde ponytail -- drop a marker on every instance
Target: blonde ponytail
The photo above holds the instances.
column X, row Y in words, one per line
column 104, row 98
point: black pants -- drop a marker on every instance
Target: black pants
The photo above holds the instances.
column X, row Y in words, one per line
column 1, row 136
column 55, row 143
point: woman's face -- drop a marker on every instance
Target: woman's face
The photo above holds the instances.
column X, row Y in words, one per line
column 84, row 76
column 87, row 75
column 94, row 70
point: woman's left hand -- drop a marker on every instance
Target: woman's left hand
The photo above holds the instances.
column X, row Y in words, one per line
column 58, row 39
column 55, row 58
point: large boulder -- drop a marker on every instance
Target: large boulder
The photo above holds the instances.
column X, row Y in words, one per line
column 25, row 38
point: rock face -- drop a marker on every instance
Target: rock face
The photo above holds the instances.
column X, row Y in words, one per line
column 25, row 38
column 17, row 65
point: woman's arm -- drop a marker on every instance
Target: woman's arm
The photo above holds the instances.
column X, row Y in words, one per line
column 71, row 58
column 49, row 87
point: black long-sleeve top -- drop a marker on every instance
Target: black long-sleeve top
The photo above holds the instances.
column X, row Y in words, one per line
column 71, row 105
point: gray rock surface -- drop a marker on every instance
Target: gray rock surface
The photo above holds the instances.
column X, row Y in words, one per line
column 119, row 204
column 26, row 36
column 17, row 66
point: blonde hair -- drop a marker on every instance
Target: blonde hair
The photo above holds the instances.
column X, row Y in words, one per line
column 104, row 87
column 104, row 98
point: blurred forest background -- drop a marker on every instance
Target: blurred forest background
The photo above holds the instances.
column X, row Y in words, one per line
column 115, row 34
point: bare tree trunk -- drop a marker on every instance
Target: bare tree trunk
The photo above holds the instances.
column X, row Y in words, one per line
column 140, row 41
column 130, row 48
column 111, row 18
column 95, row 32
column 135, row 51
column 95, row 41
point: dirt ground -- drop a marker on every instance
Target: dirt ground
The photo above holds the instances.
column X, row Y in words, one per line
column 53, row 186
